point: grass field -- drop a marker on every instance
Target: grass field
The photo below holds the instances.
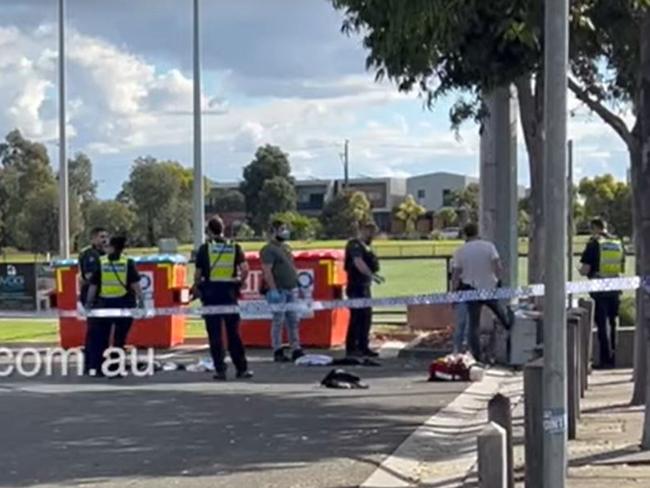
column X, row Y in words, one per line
column 403, row 277
column 384, row 248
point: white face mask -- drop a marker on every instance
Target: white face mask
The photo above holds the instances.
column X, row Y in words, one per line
column 283, row 235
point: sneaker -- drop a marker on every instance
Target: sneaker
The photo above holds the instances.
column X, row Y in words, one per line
column 245, row 375
column 297, row 354
column 220, row 376
column 279, row 357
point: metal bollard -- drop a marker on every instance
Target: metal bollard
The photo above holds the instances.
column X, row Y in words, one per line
column 492, row 456
column 588, row 305
column 533, row 423
column 500, row 412
column 573, row 376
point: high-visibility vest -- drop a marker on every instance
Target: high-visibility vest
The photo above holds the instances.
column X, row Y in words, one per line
column 222, row 261
column 114, row 275
column 611, row 257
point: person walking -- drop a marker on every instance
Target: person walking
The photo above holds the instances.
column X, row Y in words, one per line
column 361, row 266
column 221, row 268
column 604, row 257
column 281, row 288
column 114, row 285
column 477, row 266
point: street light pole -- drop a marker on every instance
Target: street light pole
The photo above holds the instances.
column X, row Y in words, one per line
column 64, row 198
column 199, row 190
column 555, row 209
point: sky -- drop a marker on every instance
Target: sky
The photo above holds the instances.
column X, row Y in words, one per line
column 277, row 72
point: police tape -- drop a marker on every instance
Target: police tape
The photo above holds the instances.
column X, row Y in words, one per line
column 261, row 309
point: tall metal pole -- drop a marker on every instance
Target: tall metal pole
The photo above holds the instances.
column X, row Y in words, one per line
column 570, row 219
column 64, row 198
column 346, row 164
column 199, row 191
column 555, row 208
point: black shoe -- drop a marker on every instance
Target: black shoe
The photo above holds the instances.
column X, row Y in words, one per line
column 245, row 375
column 297, row 354
column 279, row 357
column 353, row 354
column 369, row 353
column 220, row 376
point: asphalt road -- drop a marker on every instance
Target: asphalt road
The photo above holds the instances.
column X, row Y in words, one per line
column 181, row 429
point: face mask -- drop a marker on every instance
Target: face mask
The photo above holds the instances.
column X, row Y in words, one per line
column 283, row 235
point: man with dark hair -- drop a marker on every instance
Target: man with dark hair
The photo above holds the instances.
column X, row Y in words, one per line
column 221, row 268
column 89, row 260
column 604, row 257
column 477, row 266
column 281, row 283
column 115, row 284
column 361, row 266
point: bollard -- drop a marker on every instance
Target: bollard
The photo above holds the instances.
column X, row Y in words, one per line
column 573, row 381
column 533, row 423
column 492, row 457
column 588, row 305
column 500, row 412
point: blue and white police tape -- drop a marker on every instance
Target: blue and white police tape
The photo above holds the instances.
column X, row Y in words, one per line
column 262, row 308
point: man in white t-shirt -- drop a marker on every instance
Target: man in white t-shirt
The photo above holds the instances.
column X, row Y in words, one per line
column 477, row 266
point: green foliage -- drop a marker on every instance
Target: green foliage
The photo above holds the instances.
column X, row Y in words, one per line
column 342, row 214
column 160, row 194
column 467, row 200
column 627, row 311
column 244, row 232
column 38, row 223
column 610, row 199
column 226, row 201
column 114, row 216
column 270, row 163
column 303, row 228
column 523, row 223
column 409, row 212
column 278, row 195
column 447, row 217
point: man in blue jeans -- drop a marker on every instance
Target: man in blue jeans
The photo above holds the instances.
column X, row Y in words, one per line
column 281, row 283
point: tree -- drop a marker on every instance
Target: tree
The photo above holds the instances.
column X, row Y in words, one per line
column 38, row 224
column 610, row 199
column 226, row 201
column 25, row 170
column 342, row 214
column 409, row 212
column 116, row 217
column 279, row 196
column 269, row 163
column 159, row 192
column 464, row 49
column 303, row 228
column 523, row 223
column 447, row 217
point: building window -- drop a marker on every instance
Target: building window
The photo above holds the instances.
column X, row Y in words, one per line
column 447, row 197
column 422, row 194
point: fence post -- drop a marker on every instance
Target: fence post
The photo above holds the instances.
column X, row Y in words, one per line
column 500, row 412
column 533, row 423
column 588, row 305
column 573, row 396
column 492, row 457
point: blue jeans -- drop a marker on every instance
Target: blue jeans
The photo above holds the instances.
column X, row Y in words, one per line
column 462, row 322
column 290, row 319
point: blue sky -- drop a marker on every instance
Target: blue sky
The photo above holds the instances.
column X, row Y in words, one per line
column 274, row 72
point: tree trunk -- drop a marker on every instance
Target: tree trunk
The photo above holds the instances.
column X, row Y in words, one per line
column 531, row 114
column 641, row 182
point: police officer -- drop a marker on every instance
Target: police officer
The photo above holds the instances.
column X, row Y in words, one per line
column 89, row 260
column 116, row 284
column 604, row 257
column 221, row 268
column 362, row 266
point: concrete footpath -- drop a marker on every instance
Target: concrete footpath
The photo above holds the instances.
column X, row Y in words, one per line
column 605, row 453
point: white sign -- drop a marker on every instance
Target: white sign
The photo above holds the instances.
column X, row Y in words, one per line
column 251, row 293
column 147, row 285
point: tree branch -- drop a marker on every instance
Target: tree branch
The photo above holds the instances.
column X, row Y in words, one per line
column 609, row 117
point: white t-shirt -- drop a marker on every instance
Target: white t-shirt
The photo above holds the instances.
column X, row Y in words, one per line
column 475, row 260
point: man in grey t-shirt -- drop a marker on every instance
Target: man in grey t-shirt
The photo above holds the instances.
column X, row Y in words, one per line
column 281, row 279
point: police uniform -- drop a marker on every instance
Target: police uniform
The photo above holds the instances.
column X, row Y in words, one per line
column 359, row 286
column 218, row 261
column 89, row 261
column 606, row 258
column 114, row 279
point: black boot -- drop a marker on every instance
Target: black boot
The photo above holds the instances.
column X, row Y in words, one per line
column 279, row 357
column 297, row 354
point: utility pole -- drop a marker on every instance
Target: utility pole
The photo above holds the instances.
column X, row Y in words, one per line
column 570, row 219
column 556, row 65
column 64, row 197
column 346, row 164
column 198, row 200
